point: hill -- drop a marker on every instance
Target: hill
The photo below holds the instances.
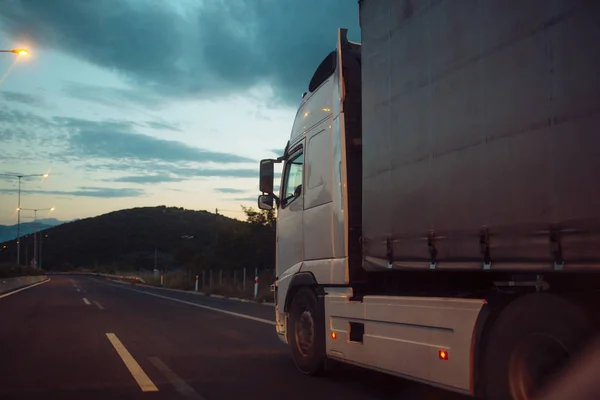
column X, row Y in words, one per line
column 129, row 240
column 9, row 232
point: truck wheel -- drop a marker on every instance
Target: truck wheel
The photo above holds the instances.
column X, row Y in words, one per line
column 307, row 333
column 532, row 339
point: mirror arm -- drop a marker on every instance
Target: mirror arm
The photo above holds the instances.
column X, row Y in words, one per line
column 277, row 201
column 274, row 196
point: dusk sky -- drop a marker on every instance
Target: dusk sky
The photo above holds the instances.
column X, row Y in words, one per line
column 130, row 103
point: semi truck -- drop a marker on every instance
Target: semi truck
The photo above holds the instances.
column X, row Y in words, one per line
column 438, row 216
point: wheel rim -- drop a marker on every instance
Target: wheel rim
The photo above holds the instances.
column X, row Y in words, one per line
column 305, row 332
column 533, row 363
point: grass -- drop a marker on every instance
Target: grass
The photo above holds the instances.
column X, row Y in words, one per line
column 13, row 270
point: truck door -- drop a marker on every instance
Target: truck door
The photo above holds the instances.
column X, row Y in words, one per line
column 290, row 235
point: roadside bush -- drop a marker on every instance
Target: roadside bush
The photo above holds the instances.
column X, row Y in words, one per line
column 14, row 270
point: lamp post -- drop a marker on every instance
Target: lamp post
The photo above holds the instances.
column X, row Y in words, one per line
column 41, row 243
column 21, row 52
column 19, row 177
column 35, row 244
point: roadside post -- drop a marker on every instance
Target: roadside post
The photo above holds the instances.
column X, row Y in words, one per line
column 196, row 283
column 255, row 283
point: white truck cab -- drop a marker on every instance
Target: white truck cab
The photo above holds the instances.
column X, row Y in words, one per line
column 311, row 223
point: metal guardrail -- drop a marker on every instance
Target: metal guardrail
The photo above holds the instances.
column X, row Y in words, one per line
column 126, row 278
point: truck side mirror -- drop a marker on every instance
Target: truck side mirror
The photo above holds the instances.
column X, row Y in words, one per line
column 266, row 176
column 265, row 202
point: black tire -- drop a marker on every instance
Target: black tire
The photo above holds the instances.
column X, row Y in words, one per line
column 532, row 339
column 308, row 351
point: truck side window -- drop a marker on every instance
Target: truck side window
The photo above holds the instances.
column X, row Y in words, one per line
column 292, row 188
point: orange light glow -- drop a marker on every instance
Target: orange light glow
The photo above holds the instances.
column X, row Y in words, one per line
column 443, row 354
column 333, row 335
column 22, row 52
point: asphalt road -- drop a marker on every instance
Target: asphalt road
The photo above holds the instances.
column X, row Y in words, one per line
column 78, row 337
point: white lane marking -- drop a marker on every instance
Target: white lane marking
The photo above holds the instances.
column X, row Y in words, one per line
column 86, row 301
column 99, row 305
column 180, row 385
column 264, row 321
column 24, row 288
column 134, row 368
column 78, row 290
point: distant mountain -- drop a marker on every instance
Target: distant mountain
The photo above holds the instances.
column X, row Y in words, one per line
column 9, row 232
column 52, row 221
column 129, row 240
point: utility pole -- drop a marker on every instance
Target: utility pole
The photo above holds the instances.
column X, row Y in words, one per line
column 41, row 242
column 19, row 177
column 19, row 225
column 35, row 243
column 217, row 225
column 155, row 256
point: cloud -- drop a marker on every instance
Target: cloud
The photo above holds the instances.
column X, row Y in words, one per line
column 169, row 172
column 118, row 140
column 249, row 198
column 162, row 125
column 164, row 173
column 145, row 179
column 229, row 190
column 24, row 126
column 23, row 98
column 84, row 191
column 173, row 173
column 207, row 49
column 116, row 146
column 216, row 172
column 111, row 97
column 11, row 116
column 223, row 173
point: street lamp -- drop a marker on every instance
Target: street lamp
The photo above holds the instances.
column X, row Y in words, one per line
column 35, row 245
column 19, row 177
column 21, row 52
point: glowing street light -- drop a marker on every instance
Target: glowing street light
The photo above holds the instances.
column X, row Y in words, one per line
column 37, row 263
column 19, row 177
column 21, row 52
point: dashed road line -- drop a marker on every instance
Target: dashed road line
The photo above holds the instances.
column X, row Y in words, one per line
column 179, row 384
column 99, row 305
column 134, row 368
column 86, row 301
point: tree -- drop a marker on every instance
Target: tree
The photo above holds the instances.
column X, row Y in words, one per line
column 260, row 217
